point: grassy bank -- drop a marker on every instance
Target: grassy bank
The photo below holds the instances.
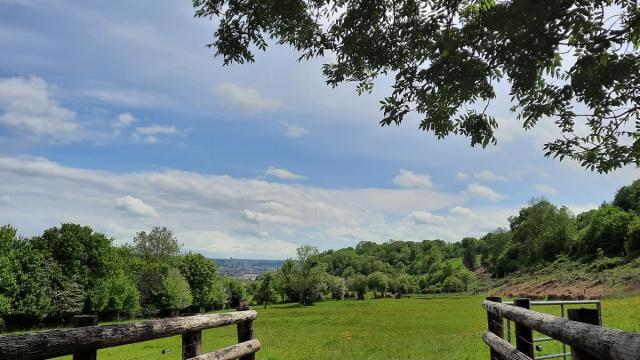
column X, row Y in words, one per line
column 416, row 328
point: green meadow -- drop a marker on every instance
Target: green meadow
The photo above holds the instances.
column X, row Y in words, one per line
column 436, row 327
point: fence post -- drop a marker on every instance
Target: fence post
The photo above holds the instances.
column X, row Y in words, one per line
column 245, row 330
column 589, row 316
column 82, row 321
column 496, row 326
column 191, row 344
column 524, row 335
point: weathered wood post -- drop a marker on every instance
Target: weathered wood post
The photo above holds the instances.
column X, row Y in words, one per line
column 524, row 335
column 191, row 344
column 245, row 330
column 588, row 316
column 82, row 321
column 495, row 325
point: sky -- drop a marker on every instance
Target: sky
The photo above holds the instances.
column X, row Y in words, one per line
column 114, row 114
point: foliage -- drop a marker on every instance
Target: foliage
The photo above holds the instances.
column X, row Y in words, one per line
column 607, row 230
column 628, row 197
column 236, row 292
column 159, row 244
column 116, row 295
column 205, row 283
column 174, row 294
column 359, row 284
column 575, row 62
column 266, row 293
column 308, row 283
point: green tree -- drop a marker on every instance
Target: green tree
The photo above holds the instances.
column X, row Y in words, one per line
column 559, row 59
column 633, row 237
column 31, row 302
column 359, row 284
column 236, row 292
column 379, row 282
column 159, row 244
column 608, row 230
column 469, row 246
column 628, row 197
column 84, row 256
column 310, row 274
column 540, row 232
column 8, row 286
column 266, row 292
column 205, row 283
column 175, row 294
column 284, row 281
column 116, row 295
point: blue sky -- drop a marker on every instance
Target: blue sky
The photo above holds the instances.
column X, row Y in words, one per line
column 115, row 115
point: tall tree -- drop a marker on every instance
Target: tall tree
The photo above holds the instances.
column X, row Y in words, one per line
column 576, row 63
column 159, row 244
column 265, row 293
column 205, row 283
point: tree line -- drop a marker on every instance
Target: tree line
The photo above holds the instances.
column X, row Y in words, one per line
column 71, row 269
column 542, row 231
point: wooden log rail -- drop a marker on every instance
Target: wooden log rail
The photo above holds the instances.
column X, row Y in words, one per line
column 588, row 341
column 83, row 342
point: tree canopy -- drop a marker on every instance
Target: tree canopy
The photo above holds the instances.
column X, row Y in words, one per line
column 572, row 62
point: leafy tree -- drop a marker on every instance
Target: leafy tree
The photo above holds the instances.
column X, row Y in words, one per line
column 379, row 282
column 31, row 302
column 338, row 287
column 284, row 281
column 359, row 284
column 159, row 244
column 236, row 292
column 469, row 246
column 309, row 277
column 633, row 237
column 608, row 231
column 175, row 294
column 452, row 284
column 202, row 275
column 628, row 197
column 8, row 285
column 575, row 62
column 116, row 295
column 266, row 293
column 84, row 256
column 540, row 232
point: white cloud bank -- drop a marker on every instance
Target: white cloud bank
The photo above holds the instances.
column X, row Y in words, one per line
column 283, row 174
column 245, row 97
column 409, row 179
column 227, row 216
column 484, row 192
column 28, row 108
column 130, row 205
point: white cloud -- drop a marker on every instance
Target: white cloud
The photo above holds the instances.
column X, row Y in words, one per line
column 261, row 217
column 409, row 179
column 28, row 108
column 294, row 131
column 484, row 192
column 151, row 134
column 546, row 189
column 283, row 174
column 425, row 217
column 124, row 120
column 128, row 98
column 486, row 175
column 462, row 176
column 461, row 212
column 130, row 205
column 5, row 199
column 245, row 97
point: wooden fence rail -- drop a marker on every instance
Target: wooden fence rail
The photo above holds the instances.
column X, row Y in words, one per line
column 83, row 342
column 587, row 341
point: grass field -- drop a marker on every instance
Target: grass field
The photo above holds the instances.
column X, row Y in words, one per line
column 415, row 328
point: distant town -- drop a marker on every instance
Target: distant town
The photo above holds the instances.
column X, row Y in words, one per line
column 247, row 268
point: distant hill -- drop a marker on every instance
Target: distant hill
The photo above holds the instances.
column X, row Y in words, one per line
column 247, row 268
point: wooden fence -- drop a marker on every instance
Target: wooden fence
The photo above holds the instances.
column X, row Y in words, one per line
column 581, row 331
column 84, row 342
